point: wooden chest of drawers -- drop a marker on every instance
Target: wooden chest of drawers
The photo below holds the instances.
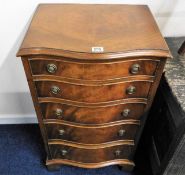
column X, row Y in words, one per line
column 93, row 71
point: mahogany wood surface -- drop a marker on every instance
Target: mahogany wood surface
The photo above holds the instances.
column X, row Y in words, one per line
column 93, row 94
column 126, row 164
column 93, row 87
column 91, row 155
column 57, row 29
column 36, row 104
column 91, row 135
column 92, row 105
column 93, row 71
column 92, row 115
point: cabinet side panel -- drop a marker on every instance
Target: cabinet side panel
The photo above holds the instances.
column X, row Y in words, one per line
column 157, row 79
column 35, row 102
column 151, row 95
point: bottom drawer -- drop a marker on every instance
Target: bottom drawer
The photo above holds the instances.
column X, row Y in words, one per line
column 85, row 155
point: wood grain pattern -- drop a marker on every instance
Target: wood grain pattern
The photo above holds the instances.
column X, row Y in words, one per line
column 93, row 86
column 96, row 115
column 126, row 164
column 90, row 135
column 92, row 94
column 93, row 71
column 91, row 156
column 72, row 30
column 92, row 105
column 90, row 146
column 36, row 104
column 94, row 82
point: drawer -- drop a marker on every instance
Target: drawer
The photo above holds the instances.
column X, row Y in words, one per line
column 93, row 71
column 93, row 94
column 92, row 115
column 90, row 155
column 91, row 135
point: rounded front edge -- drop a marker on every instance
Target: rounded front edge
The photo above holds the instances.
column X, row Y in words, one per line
column 93, row 56
column 126, row 165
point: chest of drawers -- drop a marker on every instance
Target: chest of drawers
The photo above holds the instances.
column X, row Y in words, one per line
column 93, row 71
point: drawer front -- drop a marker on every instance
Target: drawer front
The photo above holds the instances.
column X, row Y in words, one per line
column 92, row 115
column 90, row 155
column 91, row 135
column 93, row 71
column 102, row 93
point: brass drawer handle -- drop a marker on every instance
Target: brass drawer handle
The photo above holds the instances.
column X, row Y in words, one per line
column 117, row 152
column 135, row 68
column 61, row 132
column 51, row 68
column 121, row 132
column 131, row 90
column 125, row 112
column 64, row 152
column 58, row 113
column 55, row 89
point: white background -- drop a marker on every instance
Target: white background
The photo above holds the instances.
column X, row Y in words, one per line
column 15, row 101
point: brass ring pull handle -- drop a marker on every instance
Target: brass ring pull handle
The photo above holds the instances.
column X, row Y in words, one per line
column 121, row 132
column 131, row 90
column 117, row 153
column 58, row 113
column 55, row 89
column 64, row 152
column 135, row 68
column 61, row 132
column 125, row 112
column 51, row 68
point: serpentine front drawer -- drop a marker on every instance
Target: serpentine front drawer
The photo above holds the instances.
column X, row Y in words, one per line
column 93, row 134
column 93, row 93
column 92, row 114
column 93, row 71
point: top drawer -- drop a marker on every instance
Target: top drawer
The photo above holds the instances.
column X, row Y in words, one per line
column 93, row 71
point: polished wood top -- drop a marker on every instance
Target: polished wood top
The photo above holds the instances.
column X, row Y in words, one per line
column 71, row 30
